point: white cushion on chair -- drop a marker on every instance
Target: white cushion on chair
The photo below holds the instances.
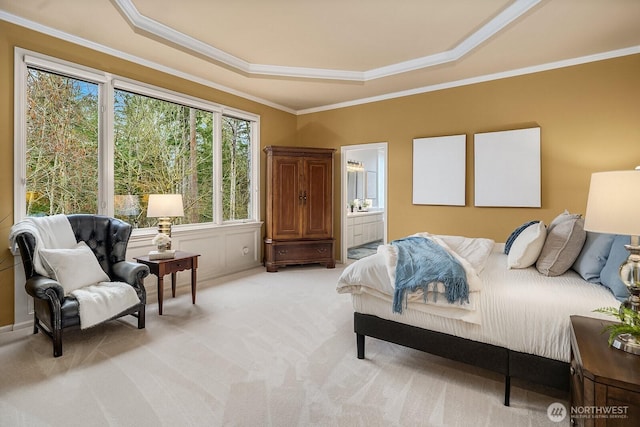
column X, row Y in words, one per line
column 73, row 268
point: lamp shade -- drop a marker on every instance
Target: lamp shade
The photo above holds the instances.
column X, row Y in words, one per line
column 165, row 205
column 614, row 203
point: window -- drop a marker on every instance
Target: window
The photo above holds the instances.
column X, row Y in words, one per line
column 236, row 168
column 94, row 143
column 162, row 148
column 62, row 144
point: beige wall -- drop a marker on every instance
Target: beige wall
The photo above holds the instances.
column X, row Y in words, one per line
column 276, row 127
column 589, row 117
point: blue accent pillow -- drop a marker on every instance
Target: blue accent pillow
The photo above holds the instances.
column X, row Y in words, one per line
column 512, row 237
column 610, row 274
column 593, row 256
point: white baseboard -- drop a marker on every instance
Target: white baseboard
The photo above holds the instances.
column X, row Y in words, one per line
column 16, row 326
column 23, row 325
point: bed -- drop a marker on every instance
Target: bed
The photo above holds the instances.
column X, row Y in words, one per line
column 516, row 322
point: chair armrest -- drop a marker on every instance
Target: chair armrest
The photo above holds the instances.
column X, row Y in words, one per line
column 37, row 287
column 130, row 272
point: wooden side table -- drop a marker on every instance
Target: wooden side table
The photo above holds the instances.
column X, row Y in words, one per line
column 161, row 267
column 605, row 382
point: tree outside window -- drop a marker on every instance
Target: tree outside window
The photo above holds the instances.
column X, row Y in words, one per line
column 62, row 145
column 236, row 168
column 159, row 147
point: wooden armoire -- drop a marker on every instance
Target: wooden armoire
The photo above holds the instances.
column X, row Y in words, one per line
column 299, row 214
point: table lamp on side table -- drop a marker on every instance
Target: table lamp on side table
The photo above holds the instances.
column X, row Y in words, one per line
column 614, row 207
column 164, row 207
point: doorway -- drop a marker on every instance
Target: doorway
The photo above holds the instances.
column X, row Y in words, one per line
column 363, row 199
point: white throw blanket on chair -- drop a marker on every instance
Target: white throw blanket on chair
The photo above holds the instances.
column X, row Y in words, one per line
column 50, row 232
column 104, row 300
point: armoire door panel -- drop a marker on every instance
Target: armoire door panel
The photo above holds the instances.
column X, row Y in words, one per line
column 286, row 199
column 318, row 201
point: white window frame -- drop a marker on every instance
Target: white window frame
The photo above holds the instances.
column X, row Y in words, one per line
column 254, row 209
column 107, row 84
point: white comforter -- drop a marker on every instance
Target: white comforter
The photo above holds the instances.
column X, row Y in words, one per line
column 519, row 309
column 376, row 275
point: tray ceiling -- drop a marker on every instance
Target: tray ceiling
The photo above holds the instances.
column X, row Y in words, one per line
column 304, row 55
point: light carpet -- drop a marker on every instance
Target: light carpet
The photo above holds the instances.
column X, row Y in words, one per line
column 257, row 349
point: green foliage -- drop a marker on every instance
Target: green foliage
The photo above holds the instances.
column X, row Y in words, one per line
column 629, row 322
column 236, row 169
column 162, row 147
column 159, row 147
column 62, row 144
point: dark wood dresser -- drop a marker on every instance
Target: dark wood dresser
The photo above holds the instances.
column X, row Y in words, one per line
column 605, row 381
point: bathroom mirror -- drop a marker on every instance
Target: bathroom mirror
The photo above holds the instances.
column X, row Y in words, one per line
column 355, row 185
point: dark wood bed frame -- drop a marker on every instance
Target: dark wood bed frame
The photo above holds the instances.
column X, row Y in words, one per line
column 506, row 362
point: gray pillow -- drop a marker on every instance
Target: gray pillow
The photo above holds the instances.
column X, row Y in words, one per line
column 562, row 246
column 593, row 256
column 610, row 274
column 564, row 216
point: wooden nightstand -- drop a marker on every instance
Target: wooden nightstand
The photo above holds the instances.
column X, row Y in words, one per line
column 605, row 382
column 160, row 267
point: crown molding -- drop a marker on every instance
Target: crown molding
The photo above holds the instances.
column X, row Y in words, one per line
column 145, row 25
column 633, row 50
column 17, row 20
column 497, row 24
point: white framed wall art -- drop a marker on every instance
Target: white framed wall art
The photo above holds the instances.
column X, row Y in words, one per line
column 439, row 170
column 507, row 168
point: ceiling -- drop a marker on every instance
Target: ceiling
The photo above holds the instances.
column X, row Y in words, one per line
column 309, row 55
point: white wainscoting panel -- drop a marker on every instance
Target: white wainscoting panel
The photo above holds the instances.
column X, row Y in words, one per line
column 221, row 250
column 243, row 249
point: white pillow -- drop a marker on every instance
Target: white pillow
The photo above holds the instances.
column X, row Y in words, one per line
column 527, row 246
column 73, row 268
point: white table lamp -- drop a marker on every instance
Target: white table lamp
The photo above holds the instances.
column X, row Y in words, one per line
column 614, row 207
column 164, row 207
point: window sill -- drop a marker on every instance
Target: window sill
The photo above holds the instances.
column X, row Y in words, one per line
column 177, row 230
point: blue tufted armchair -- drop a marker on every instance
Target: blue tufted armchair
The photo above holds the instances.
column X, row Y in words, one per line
column 55, row 311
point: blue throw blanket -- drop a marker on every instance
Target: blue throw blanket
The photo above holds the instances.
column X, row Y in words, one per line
column 421, row 264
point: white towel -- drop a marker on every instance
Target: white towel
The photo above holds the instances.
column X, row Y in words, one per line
column 50, row 232
column 104, row 300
